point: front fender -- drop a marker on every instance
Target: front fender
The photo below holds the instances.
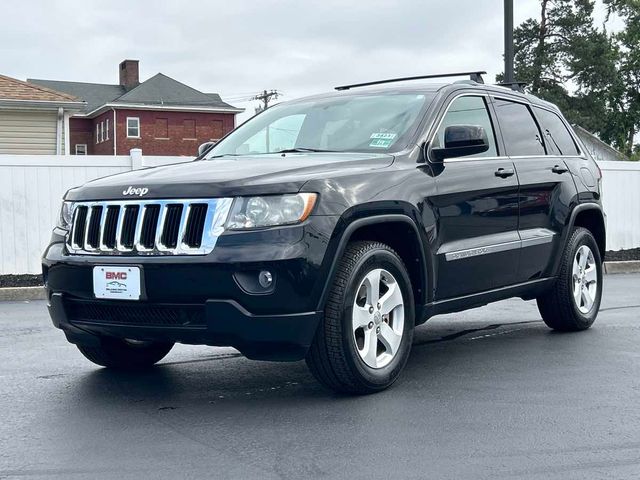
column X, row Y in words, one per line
column 360, row 218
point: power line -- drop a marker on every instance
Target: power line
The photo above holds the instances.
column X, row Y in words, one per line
column 265, row 97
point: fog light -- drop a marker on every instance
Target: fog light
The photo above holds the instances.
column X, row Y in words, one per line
column 265, row 279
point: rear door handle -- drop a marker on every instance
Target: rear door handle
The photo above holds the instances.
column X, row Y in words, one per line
column 505, row 172
column 559, row 169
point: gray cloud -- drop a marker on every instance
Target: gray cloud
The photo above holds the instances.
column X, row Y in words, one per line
column 237, row 47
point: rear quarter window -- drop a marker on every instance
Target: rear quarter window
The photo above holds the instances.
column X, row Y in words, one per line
column 555, row 133
column 519, row 129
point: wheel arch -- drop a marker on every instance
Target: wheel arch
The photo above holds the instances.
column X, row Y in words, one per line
column 591, row 217
column 384, row 228
column 588, row 215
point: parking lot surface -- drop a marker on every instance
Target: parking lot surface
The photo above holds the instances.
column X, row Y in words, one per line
column 488, row 393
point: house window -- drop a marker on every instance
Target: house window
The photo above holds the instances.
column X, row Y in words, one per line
column 133, row 127
column 101, row 131
column 189, row 129
column 106, row 127
column 162, row 128
column 81, row 148
column 97, row 133
column 217, row 129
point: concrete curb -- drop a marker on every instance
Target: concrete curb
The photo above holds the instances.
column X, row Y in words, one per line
column 629, row 266
column 18, row 294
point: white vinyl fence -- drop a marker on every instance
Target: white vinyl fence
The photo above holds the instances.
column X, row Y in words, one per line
column 621, row 201
column 31, row 187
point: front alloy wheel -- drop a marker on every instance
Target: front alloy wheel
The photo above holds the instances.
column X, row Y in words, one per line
column 365, row 339
column 378, row 318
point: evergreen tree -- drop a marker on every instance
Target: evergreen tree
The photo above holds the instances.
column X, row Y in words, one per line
column 544, row 47
column 592, row 75
column 624, row 94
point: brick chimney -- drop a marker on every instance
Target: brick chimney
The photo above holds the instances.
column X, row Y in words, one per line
column 129, row 74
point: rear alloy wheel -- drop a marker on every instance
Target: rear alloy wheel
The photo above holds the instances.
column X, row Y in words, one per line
column 365, row 338
column 573, row 302
column 585, row 279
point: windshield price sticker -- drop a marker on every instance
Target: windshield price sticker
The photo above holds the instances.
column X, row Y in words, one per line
column 383, row 136
column 382, row 140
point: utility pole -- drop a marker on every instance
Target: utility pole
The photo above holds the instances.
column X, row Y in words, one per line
column 265, row 97
column 508, row 41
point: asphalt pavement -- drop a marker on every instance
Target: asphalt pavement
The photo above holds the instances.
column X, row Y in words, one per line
column 489, row 393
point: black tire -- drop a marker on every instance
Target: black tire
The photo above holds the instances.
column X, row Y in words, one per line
column 557, row 306
column 333, row 357
column 121, row 354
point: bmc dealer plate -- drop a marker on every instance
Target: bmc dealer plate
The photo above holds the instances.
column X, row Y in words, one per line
column 117, row 283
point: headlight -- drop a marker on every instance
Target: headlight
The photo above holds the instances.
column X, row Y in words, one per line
column 268, row 211
column 66, row 216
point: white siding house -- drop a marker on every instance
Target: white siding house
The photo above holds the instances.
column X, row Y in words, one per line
column 599, row 150
column 34, row 120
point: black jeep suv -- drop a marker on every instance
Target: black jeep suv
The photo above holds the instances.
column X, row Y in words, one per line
column 328, row 227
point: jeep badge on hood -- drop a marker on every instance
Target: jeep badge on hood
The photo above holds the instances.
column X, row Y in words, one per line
column 140, row 192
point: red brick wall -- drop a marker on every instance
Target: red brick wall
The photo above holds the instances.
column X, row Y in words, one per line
column 208, row 126
column 81, row 131
column 105, row 147
column 180, row 127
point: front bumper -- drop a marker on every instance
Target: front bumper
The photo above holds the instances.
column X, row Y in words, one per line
column 223, row 323
column 202, row 299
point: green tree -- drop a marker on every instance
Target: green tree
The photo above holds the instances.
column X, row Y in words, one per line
column 624, row 92
column 544, row 47
column 591, row 74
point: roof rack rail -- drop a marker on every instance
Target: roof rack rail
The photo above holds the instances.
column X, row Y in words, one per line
column 517, row 86
column 474, row 76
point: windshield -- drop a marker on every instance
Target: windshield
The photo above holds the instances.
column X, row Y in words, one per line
column 357, row 123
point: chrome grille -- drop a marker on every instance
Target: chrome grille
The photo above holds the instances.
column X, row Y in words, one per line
column 147, row 227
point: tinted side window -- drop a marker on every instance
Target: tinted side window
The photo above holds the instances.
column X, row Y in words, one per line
column 468, row 110
column 556, row 135
column 519, row 130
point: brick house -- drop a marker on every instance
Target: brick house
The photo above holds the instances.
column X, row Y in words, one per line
column 161, row 116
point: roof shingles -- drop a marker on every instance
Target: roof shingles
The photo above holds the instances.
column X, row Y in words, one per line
column 13, row 89
column 157, row 90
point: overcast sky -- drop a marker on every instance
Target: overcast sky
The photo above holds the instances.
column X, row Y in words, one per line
column 237, row 47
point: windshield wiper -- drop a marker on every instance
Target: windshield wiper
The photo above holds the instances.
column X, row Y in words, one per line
column 302, row 150
column 225, row 155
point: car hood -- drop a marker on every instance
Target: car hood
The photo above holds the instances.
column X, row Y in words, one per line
column 229, row 176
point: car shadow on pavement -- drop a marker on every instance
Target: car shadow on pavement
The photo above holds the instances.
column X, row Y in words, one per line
column 439, row 353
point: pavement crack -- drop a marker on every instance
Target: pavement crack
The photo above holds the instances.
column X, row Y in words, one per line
column 52, row 376
column 462, row 333
column 221, row 356
column 619, row 308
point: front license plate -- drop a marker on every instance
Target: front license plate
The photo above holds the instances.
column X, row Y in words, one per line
column 119, row 283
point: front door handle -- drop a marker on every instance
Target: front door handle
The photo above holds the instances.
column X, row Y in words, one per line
column 505, row 172
column 559, row 169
